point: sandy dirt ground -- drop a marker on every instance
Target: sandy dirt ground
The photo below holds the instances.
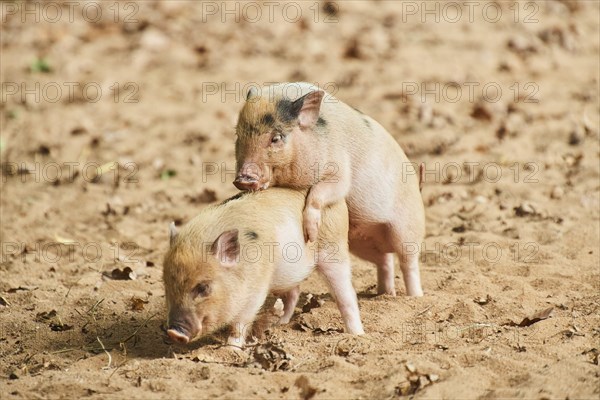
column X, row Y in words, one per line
column 118, row 118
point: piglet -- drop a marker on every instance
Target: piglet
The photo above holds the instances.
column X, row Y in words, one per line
column 221, row 266
column 297, row 135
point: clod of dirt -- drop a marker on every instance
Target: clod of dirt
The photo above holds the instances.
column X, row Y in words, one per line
column 483, row 300
column 592, row 354
column 575, row 138
column 501, row 131
column 459, row 229
column 125, row 274
column 307, row 391
column 55, row 323
column 536, row 317
column 353, row 50
column 557, row 36
column 573, row 160
column 60, row 327
column 481, row 112
column 79, row 130
column 522, row 46
column 351, row 345
column 271, row 357
column 557, row 193
column 45, row 316
column 204, row 373
column 115, row 206
column 137, row 304
column 525, row 209
column 43, row 150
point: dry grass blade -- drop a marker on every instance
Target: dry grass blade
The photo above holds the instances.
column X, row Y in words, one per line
column 108, row 366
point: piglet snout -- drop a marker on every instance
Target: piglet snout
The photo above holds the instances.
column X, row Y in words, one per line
column 178, row 335
column 246, row 182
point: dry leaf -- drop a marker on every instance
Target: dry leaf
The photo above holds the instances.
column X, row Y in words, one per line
column 312, row 301
column 137, row 304
column 24, row 288
column 45, row 315
column 415, row 381
column 536, row 317
column 271, row 357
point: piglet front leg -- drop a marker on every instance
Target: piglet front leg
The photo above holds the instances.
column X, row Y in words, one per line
column 330, row 189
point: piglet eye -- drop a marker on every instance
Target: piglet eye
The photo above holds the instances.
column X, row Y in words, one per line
column 276, row 138
column 201, row 290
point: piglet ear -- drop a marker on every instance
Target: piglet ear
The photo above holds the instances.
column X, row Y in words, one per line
column 311, row 105
column 172, row 233
column 227, row 248
column 252, row 93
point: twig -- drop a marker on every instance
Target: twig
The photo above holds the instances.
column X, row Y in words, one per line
column 107, row 353
column 119, row 366
column 69, row 291
column 424, row 311
column 91, row 310
column 94, row 306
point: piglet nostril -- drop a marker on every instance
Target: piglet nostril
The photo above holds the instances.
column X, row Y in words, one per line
column 246, row 178
column 246, row 182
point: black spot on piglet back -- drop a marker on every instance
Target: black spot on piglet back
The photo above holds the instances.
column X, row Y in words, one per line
column 321, row 122
column 237, row 196
column 251, row 235
column 367, row 123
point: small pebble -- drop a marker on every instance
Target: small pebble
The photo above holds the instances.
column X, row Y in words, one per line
column 557, row 193
column 481, row 200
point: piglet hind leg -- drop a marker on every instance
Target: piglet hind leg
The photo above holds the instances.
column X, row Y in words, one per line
column 409, row 264
column 339, row 278
column 367, row 250
column 408, row 254
column 290, row 299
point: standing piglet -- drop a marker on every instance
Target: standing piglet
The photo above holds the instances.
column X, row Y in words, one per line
column 297, row 135
column 221, row 266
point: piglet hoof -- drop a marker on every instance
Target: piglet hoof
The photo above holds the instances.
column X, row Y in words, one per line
column 386, row 292
column 357, row 331
column 285, row 320
column 235, row 343
column 311, row 223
